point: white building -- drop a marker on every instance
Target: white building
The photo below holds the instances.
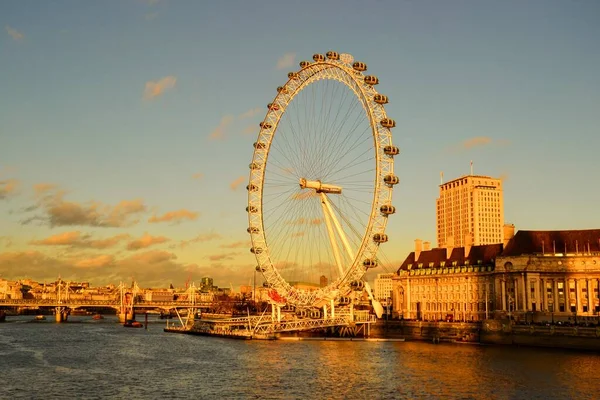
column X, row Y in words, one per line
column 470, row 212
column 382, row 287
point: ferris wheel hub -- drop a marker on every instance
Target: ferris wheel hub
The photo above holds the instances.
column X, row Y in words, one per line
column 320, row 187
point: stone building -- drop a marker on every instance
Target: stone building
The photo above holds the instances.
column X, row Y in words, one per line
column 549, row 275
column 446, row 283
column 382, row 287
column 538, row 276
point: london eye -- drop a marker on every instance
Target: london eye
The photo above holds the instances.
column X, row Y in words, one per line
column 321, row 182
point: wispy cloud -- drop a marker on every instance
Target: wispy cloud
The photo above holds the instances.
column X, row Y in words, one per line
column 76, row 239
column 219, row 131
column 237, row 245
column 100, row 261
column 56, row 211
column 153, row 256
column 250, row 113
column 237, row 182
column 60, row 239
column 8, row 187
column 156, row 88
column 6, row 241
column 41, row 188
column 15, row 34
column 146, row 241
column 205, row 237
column 250, row 129
column 175, row 216
column 478, row 141
column 222, row 257
column 286, row 61
column 198, row 176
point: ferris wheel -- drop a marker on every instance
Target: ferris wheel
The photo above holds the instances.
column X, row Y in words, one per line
column 321, row 180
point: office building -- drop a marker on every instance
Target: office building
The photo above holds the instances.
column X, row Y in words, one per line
column 470, row 212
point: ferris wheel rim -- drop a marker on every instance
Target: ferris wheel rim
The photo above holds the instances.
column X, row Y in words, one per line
column 298, row 81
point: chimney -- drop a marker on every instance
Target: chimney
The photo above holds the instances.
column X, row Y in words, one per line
column 543, row 253
column 468, row 244
column 449, row 246
column 508, row 233
column 426, row 246
column 418, row 248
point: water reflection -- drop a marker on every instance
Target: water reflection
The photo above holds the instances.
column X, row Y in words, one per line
column 99, row 360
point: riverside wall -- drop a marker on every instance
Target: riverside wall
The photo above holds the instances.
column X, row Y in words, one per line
column 502, row 332
column 426, row 330
column 566, row 337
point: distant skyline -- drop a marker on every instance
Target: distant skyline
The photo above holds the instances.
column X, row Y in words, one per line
column 126, row 127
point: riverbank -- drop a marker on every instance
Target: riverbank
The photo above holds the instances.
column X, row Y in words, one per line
column 502, row 332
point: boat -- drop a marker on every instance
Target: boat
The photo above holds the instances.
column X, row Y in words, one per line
column 133, row 324
column 97, row 317
column 40, row 318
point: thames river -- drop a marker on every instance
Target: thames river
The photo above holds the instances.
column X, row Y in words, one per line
column 86, row 359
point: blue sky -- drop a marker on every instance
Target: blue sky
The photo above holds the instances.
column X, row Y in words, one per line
column 116, row 112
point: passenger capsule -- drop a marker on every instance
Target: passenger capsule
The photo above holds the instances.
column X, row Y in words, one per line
column 256, row 250
column 357, row 285
column 318, row 57
column 332, row 55
column 292, row 75
column 387, row 209
column 259, row 269
column 369, row 263
column 273, row 106
column 266, row 284
column 304, row 64
column 388, row 123
column 380, row 99
column 391, row 180
column 252, row 188
column 371, row 80
column 254, row 166
column 281, row 89
column 380, row 238
column 251, row 209
column 259, row 145
column 253, row 229
column 359, row 66
column 391, row 150
column 265, row 125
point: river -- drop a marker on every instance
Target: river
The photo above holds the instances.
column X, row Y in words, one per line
column 86, row 359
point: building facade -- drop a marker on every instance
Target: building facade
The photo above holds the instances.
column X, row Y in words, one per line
column 382, row 287
column 539, row 276
column 470, row 211
column 549, row 275
column 451, row 284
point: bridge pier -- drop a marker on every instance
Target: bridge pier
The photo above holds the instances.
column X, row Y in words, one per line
column 61, row 313
column 125, row 316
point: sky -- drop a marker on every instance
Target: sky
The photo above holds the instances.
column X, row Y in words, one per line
column 126, row 127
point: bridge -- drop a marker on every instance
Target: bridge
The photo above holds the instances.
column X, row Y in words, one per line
column 124, row 300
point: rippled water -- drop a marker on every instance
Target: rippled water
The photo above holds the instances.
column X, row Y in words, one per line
column 100, row 359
